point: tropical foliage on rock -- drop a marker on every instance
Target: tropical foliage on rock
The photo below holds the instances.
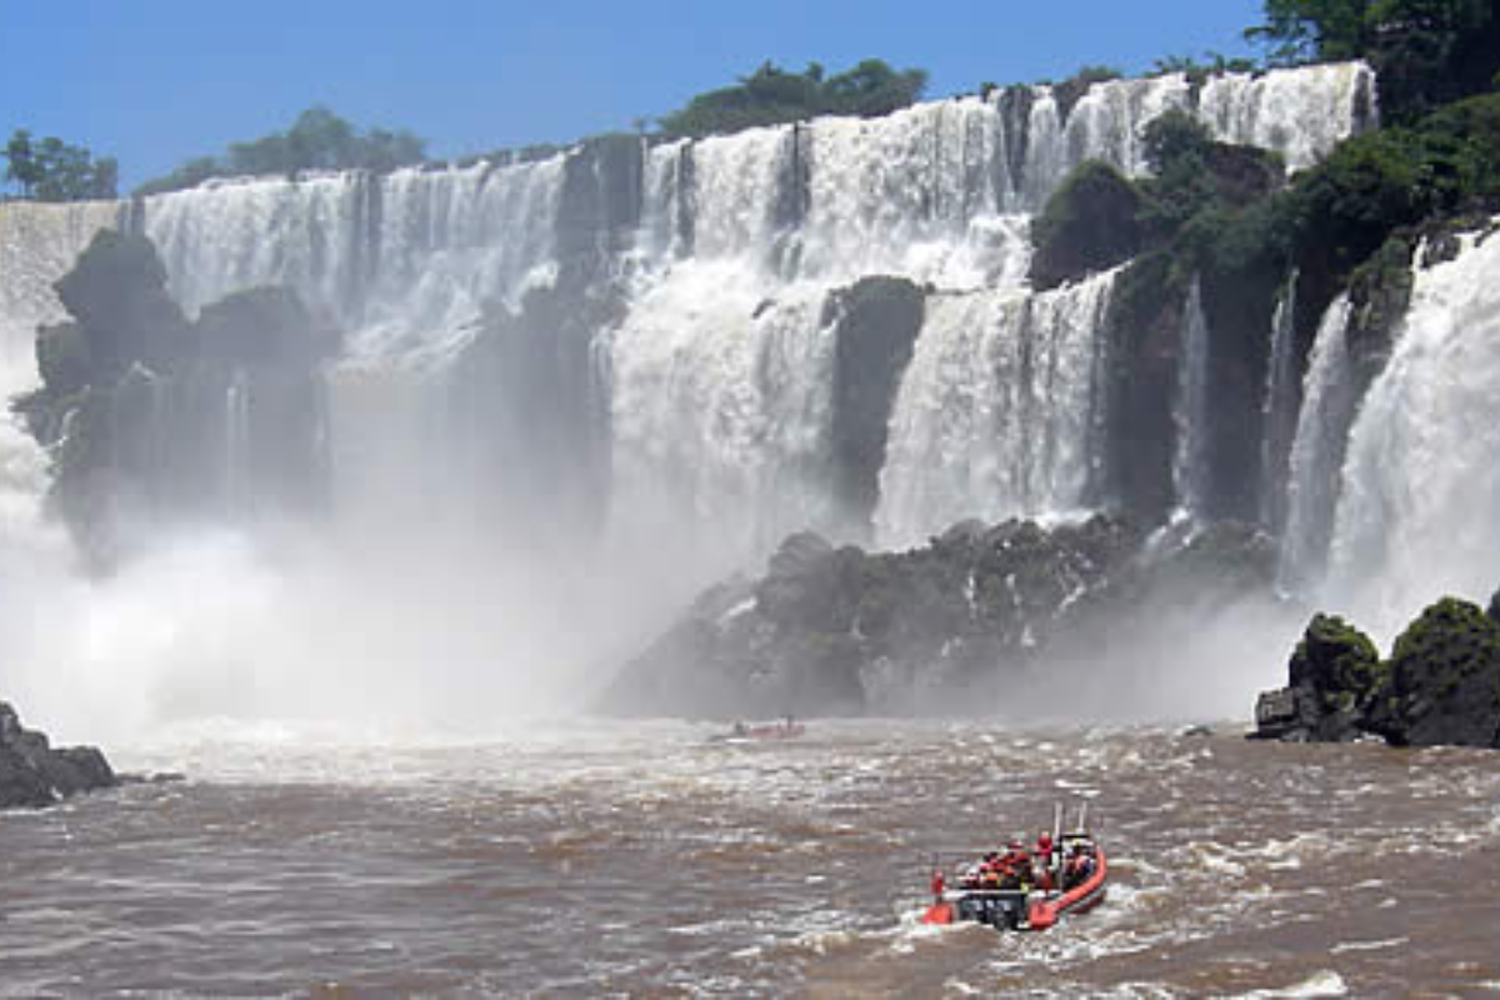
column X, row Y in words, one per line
column 772, row 96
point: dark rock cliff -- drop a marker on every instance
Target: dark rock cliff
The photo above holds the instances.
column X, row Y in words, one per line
column 34, row 775
column 947, row 627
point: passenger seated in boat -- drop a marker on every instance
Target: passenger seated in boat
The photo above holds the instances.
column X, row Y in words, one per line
column 1079, row 867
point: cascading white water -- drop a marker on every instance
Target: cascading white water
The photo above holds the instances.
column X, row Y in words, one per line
column 401, row 262
column 720, row 367
column 1417, row 513
column 720, row 409
column 997, row 411
column 1300, row 113
column 1279, row 408
column 1190, row 411
column 1328, row 401
column 918, row 194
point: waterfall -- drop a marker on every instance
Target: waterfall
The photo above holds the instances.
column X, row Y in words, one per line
column 1279, row 408
column 1420, row 490
column 997, row 415
column 402, row 262
column 715, row 337
column 720, row 408
column 38, row 245
column 1300, row 113
column 1328, row 401
column 1190, row 413
column 918, row 193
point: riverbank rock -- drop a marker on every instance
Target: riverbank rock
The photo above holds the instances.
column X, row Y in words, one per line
column 33, row 775
column 1440, row 686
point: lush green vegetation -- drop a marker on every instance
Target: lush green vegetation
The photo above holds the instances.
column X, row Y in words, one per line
column 317, row 140
column 771, row 96
column 51, row 170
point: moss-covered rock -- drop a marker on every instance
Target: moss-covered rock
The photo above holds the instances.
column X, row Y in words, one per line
column 1440, row 687
column 1089, row 224
column 1444, row 680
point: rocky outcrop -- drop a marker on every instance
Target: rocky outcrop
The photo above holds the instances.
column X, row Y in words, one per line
column 34, row 775
column 876, row 322
column 149, row 416
column 1335, row 672
column 1089, row 224
column 1440, row 686
column 945, row 627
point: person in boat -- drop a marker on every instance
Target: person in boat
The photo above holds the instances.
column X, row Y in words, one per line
column 1015, row 867
column 1079, row 866
column 1045, row 864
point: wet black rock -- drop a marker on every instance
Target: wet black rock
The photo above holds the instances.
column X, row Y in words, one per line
column 1440, row 686
column 945, row 627
column 33, row 775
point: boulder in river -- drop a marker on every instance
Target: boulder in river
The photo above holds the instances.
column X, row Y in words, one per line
column 34, row 775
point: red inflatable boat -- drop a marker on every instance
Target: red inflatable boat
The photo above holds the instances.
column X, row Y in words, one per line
column 1029, row 894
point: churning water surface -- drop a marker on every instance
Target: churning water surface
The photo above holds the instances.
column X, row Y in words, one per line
column 593, row 858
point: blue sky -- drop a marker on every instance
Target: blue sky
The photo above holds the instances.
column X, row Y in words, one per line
column 156, row 82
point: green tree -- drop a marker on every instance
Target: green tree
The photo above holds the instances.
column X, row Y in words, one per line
column 52, row 170
column 772, row 96
column 318, row 140
column 21, row 164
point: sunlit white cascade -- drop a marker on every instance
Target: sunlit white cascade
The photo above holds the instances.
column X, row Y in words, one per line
column 1105, row 124
column 1417, row 514
column 402, row 261
column 1328, row 402
column 998, row 412
column 918, row 193
column 1190, row 411
column 1279, row 407
column 1300, row 113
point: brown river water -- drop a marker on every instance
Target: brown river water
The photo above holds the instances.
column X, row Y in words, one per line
column 638, row 859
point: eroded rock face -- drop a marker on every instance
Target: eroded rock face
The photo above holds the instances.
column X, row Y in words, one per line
column 1440, row 687
column 33, row 775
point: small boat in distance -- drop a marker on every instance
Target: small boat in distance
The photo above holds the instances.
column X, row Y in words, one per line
column 783, row 729
column 1022, row 889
